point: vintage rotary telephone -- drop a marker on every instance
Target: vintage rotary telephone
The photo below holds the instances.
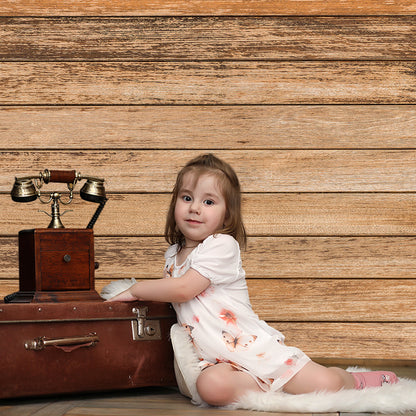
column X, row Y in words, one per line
column 55, row 263
column 28, row 188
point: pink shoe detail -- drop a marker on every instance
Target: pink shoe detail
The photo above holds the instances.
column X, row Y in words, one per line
column 373, row 379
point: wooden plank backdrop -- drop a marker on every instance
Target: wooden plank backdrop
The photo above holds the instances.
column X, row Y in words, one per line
column 211, row 7
column 313, row 103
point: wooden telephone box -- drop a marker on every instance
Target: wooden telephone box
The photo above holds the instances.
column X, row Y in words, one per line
column 55, row 265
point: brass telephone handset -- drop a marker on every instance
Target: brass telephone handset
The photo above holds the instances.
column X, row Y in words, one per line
column 28, row 188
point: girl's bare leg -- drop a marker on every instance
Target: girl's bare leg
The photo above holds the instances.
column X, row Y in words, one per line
column 315, row 377
column 222, row 384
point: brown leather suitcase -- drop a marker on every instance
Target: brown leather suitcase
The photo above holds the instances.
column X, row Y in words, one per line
column 50, row 348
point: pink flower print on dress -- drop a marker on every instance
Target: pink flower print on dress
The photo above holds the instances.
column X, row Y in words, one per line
column 169, row 271
column 292, row 360
column 237, row 343
column 229, row 317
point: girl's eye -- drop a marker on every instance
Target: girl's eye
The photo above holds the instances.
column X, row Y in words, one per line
column 187, row 198
column 209, row 202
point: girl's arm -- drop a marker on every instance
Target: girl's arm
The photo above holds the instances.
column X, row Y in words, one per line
column 176, row 290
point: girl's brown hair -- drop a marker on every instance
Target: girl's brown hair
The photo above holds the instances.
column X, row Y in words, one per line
column 230, row 188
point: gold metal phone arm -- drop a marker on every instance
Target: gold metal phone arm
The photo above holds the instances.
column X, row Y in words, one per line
column 28, row 189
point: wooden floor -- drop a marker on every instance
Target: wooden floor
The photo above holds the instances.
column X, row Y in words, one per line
column 141, row 402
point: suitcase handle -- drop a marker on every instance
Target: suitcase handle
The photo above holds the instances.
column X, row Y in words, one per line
column 68, row 344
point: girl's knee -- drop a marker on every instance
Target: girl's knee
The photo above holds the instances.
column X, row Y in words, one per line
column 315, row 377
column 215, row 387
column 330, row 380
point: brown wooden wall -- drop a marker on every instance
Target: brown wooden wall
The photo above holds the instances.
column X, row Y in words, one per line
column 313, row 103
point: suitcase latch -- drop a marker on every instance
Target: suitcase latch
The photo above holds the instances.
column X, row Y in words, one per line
column 144, row 329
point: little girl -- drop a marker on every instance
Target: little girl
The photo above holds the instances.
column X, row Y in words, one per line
column 205, row 282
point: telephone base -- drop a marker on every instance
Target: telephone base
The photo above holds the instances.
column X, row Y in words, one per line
column 52, row 296
column 19, row 297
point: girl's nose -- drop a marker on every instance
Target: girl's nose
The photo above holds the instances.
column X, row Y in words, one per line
column 195, row 207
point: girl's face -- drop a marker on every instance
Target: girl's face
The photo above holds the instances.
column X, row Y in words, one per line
column 200, row 208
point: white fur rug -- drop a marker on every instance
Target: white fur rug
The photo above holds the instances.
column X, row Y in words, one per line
column 396, row 398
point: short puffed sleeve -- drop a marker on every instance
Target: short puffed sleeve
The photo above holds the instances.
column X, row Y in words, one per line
column 171, row 251
column 218, row 259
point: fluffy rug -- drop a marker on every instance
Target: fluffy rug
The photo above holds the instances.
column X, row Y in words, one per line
column 396, row 398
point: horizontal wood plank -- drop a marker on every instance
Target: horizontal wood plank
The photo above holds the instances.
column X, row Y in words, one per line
column 312, row 102
column 330, row 257
column 258, row 170
column 374, row 82
column 208, row 127
column 265, row 258
column 365, row 340
column 149, row 401
column 283, row 214
column 315, row 300
column 207, row 38
column 343, row 300
column 388, row 341
column 207, row 7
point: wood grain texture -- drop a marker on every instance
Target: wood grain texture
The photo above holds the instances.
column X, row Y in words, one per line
column 302, row 214
column 258, row 170
column 207, row 38
column 315, row 300
column 208, row 127
column 265, row 258
column 54, row 83
column 152, row 401
column 314, row 104
column 341, row 300
column 206, row 7
column 390, row 341
column 330, row 257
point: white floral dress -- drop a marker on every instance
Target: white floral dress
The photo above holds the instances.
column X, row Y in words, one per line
column 220, row 321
